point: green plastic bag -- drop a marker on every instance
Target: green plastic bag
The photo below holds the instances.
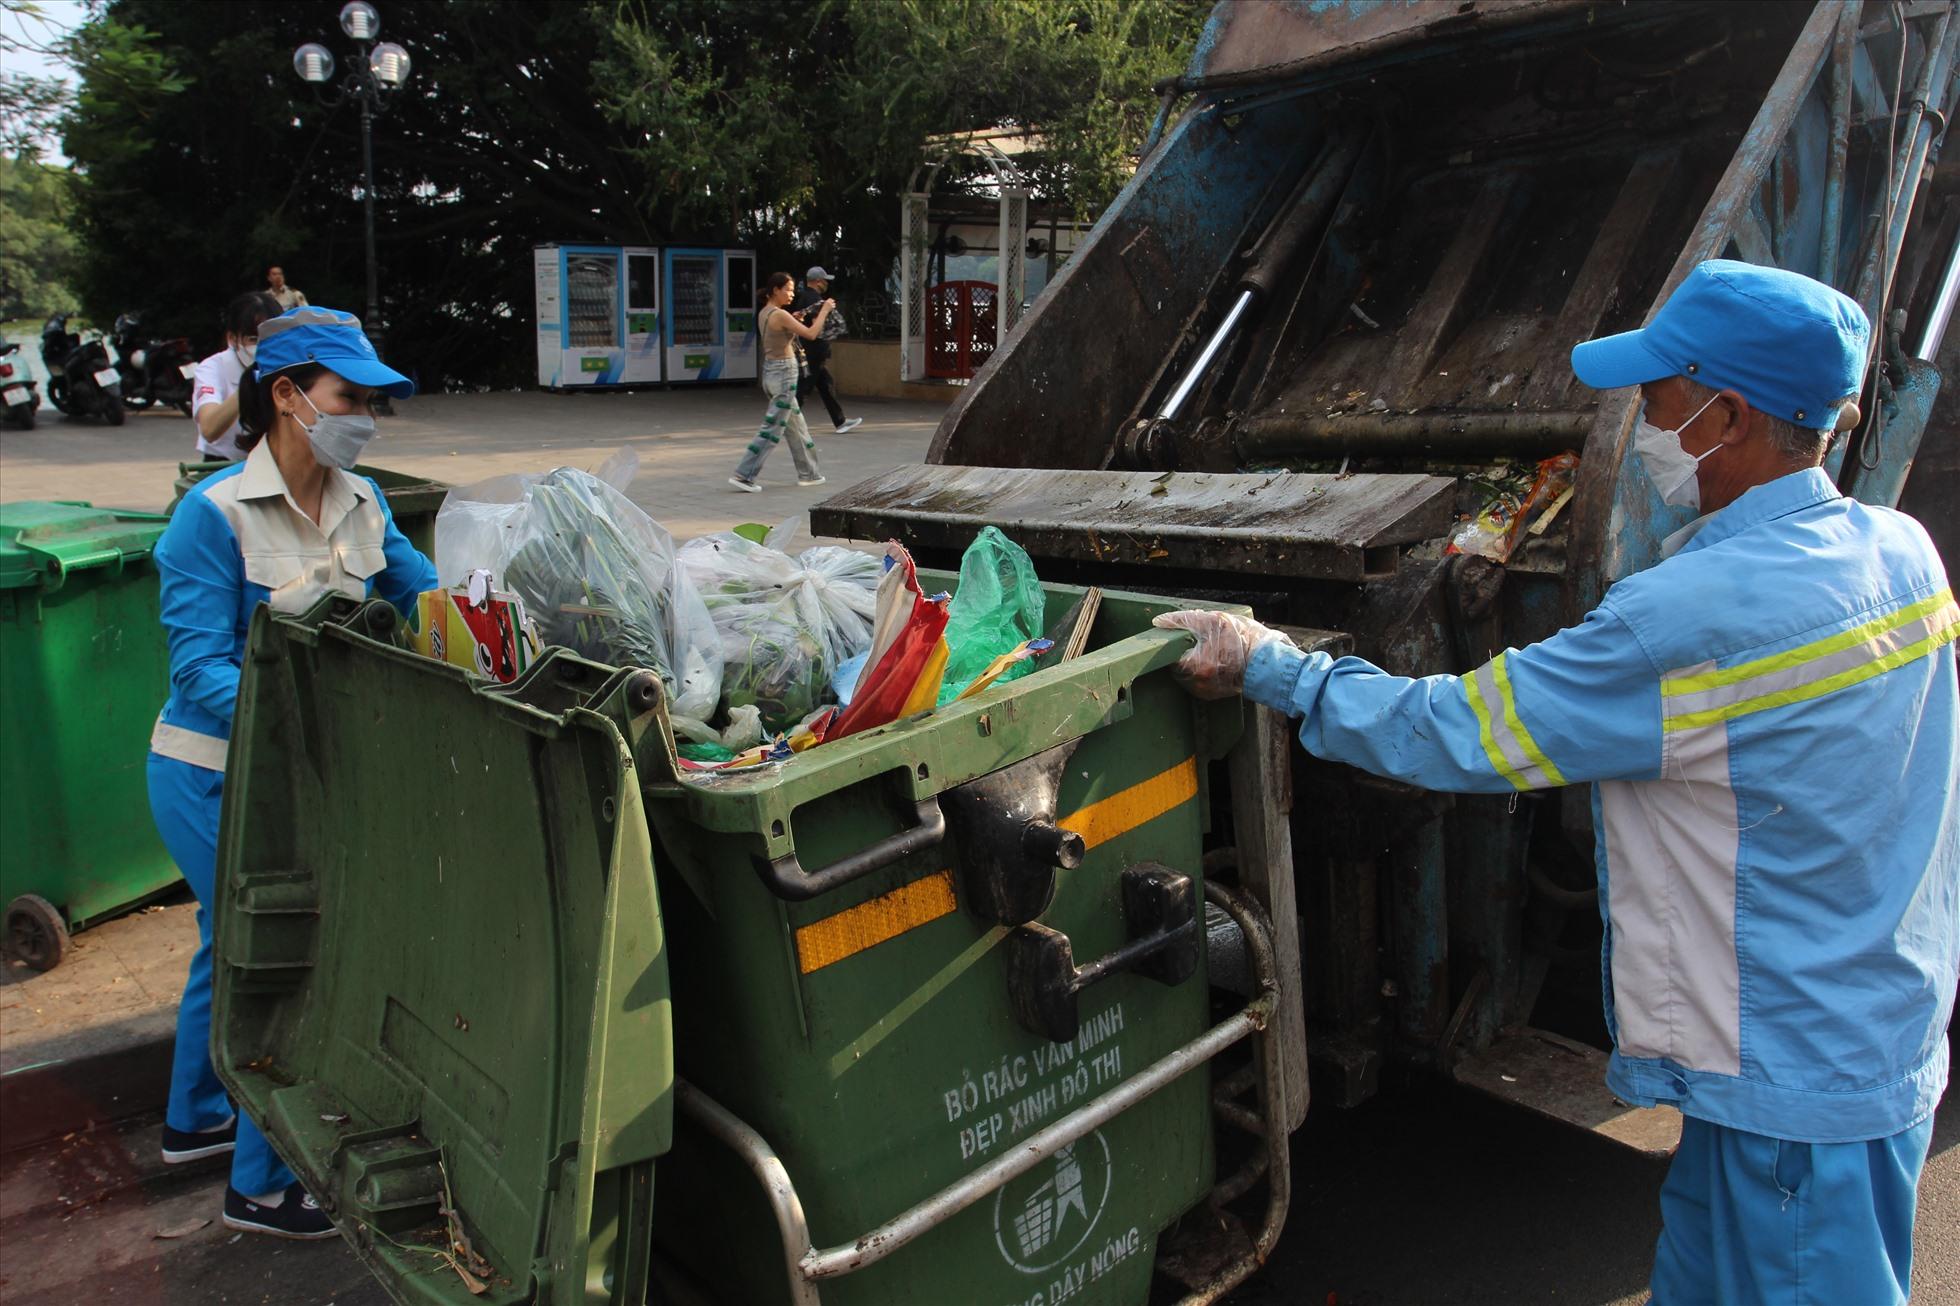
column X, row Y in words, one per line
column 997, row 608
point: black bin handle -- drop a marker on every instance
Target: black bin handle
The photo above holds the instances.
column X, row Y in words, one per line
column 786, row 878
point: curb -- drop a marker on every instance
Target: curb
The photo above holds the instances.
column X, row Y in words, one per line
column 43, row 1102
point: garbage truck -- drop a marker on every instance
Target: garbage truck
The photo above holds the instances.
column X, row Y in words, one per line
column 1314, row 359
column 1018, row 1000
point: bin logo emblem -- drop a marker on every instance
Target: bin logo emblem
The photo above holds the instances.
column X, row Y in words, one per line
column 1045, row 1215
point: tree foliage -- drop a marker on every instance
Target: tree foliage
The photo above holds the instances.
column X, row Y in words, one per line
column 30, row 107
column 37, row 242
column 808, row 117
column 791, row 125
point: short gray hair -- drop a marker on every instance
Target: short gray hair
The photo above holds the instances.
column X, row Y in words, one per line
column 1798, row 444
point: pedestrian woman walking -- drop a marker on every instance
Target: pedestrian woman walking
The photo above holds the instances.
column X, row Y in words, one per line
column 780, row 331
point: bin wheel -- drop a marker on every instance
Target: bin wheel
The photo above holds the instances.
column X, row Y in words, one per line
column 36, row 935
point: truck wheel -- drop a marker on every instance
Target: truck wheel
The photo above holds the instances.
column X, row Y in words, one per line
column 36, row 936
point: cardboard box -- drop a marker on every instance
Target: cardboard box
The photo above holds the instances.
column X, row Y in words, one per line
column 485, row 632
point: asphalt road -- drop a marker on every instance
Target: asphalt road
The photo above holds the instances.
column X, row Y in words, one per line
column 1435, row 1196
column 1428, row 1196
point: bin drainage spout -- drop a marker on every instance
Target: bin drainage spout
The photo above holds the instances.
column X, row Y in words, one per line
column 1006, row 845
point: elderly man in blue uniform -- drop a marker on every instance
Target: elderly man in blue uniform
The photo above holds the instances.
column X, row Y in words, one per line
column 1768, row 717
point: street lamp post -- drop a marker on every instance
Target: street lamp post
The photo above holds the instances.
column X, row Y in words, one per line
column 379, row 70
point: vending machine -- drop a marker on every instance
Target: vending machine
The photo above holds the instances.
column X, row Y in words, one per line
column 601, row 320
column 598, row 315
column 710, row 329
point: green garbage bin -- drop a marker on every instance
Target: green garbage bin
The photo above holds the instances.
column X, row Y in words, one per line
column 84, row 669
column 414, row 500
column 909, row 1017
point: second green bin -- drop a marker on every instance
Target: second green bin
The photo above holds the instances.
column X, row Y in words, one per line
column 83, row 670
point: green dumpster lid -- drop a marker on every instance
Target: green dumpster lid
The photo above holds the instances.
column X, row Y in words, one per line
column 444, row 979
column 41, row 542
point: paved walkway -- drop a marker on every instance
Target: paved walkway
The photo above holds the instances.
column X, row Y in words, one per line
column 688, row 442
column 118, row 986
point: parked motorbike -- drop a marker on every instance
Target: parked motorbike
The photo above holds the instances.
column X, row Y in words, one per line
column 82, row 382
column 152, row 371
column 18, row 396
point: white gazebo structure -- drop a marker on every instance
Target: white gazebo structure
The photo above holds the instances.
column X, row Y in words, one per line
column 950, row 328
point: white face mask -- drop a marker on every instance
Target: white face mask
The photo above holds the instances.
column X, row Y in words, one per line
column 1670, row 467
column 246, row 353
column 337, row 438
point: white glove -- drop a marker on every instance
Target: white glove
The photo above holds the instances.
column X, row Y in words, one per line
column 1215, row 668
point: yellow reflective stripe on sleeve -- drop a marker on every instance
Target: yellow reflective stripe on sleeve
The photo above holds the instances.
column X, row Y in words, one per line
column 1543, row 763
column 1474, row 687
column 1674, row 686
column 1830, row 684
column 851, row 931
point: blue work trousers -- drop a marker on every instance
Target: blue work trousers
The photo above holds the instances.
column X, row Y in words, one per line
column 1748, row 1220
column 184, row 800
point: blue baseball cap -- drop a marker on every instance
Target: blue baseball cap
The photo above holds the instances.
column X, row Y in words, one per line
column 330, row 338
column 1793, row 347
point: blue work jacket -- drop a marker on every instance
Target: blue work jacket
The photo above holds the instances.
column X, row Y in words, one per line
column 237, row 540
column 1769, row 720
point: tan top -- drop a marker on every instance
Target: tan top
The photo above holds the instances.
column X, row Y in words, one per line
column 778, row 341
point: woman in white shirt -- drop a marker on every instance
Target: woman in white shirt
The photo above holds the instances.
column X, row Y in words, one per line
column 214, row 385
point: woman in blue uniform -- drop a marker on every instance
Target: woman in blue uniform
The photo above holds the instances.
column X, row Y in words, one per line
column 285, row 526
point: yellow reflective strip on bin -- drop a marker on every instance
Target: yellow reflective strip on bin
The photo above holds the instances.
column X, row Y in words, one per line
column 868, row 924
column 1123, row 812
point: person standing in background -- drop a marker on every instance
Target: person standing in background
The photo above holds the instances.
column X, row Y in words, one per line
column 816, row 352
column 214, row 385
column 275, row 285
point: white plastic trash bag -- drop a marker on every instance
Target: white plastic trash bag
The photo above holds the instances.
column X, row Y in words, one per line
column 596, row 574
column 785, row 622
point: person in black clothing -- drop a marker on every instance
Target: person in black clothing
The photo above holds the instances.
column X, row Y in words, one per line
column 816, row 353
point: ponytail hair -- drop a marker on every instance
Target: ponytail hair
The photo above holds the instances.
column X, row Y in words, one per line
column 775, row 282
column 255, row 409
column 244, row 313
